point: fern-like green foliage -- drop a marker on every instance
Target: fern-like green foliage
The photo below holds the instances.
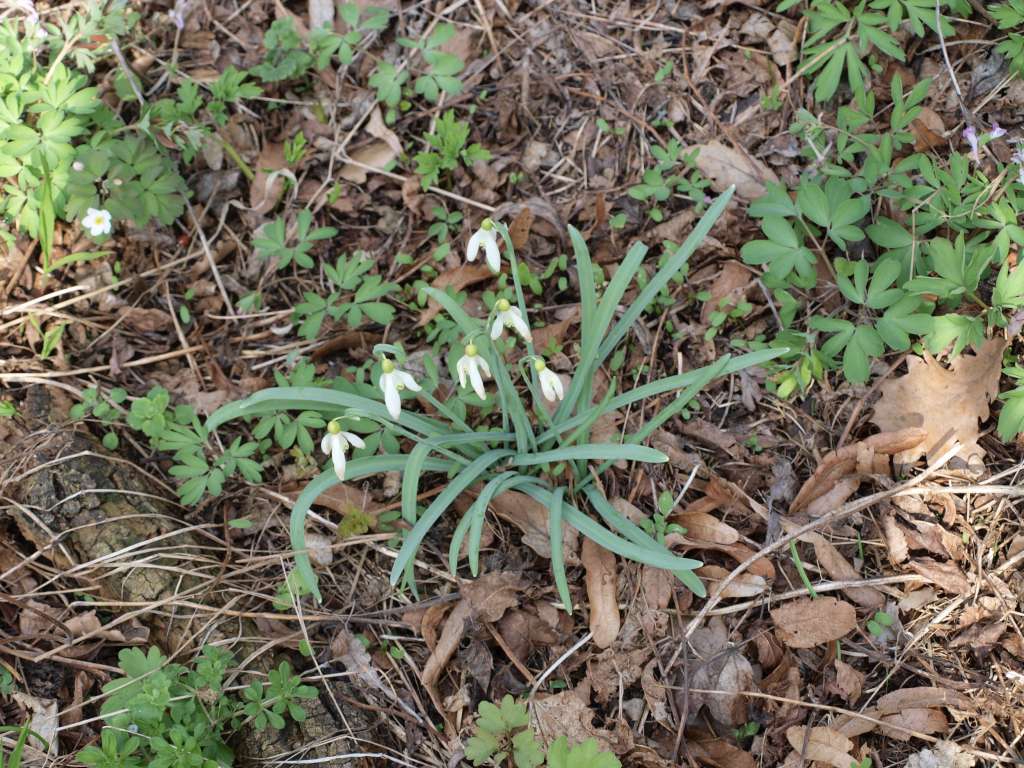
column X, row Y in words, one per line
column 1010, row 17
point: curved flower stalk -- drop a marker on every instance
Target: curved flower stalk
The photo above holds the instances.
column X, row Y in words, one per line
column 518, row 445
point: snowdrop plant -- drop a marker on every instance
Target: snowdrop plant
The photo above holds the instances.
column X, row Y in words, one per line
column 520, row 444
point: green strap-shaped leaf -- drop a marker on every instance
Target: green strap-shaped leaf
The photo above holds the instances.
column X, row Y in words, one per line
column 357, row 468
column 557, row 556
column 612, row 451
column 461, row 482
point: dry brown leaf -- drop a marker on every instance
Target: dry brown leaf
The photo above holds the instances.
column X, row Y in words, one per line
column 744, row 585
column 895, row 539
column 45, row 723
column 531, row 517
column 658, row 585
column 377, row 128
column 928, row 130
column 808, row 622
column 267, row 184
column 613, row 670
column 824, row 745
column 702, row 527
column 718, row 753
column 948, row 403
column 836, row 465
column 654, row 693
column 602, row 592
column 840, row 569
column 555, row 332
column 38, row 618
column 724, row 166
column 485, row 599
column 719, row 667
column 373, row 156
column 145, row 320
column 948, row 576
column 447, row 643
column 919, row 719
column 565, row 714
column 464, row 275
column 730, row 284
column 849, row 682
column 921, row 696
column 346, row 648
column 519, row 229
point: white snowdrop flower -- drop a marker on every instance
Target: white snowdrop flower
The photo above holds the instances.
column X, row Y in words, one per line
column 550, row 384
column 78, row 166
column 335, row 443
column 510, row 317
column 97, row 221
column 487, row 237
column 392, row 381
column 472, row 366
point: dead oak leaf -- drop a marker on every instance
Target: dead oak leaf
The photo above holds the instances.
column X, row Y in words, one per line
column 808, row 622
column 948, row 403
column 725, row 167
column 602, row 592
column 821, row 745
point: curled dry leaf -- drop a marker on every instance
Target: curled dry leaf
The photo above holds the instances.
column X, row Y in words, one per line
column 319, row 548
column 724, row 167
column 45, row 723
column 835, row 466
column 745, row 585
column 916, row 719
column 267, row 184
column 823, row 745
column 602, row 592
column 948, row 403
column 840, row 569
column 808, row 622
column 849, row 682
column 702, row 527
column 346, row 648
column 895, row 539
column 947, row 576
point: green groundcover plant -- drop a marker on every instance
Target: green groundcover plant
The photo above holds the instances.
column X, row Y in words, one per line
column 517, row 444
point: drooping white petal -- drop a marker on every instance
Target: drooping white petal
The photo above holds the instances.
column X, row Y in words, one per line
column 407, row 381
column 475, row 378
column 338, row 456
column 497, row 326
column 491, row 250
column 515, row 319
column 551, row 385
column 392, row 400
column 484, row 366
column 355, row 440
column 462, row 367
column 473, row 246
column 325, row 443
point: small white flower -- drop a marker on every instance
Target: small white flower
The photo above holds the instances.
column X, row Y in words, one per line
column 971, row 136
column 335, row 443
column 118, row 182
column 550, row 384
column 97, row 222
column 996, row 132
column 510, row 317
column 471, row 365
column 487, row 237
column 392, row 381
column 78, row 166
